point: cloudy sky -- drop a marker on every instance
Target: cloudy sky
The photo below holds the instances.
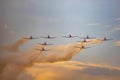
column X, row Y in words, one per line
column 21, row 18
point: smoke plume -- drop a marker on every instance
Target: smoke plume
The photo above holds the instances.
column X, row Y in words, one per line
column 15, row 47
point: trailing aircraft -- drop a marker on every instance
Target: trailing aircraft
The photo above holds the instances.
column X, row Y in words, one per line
column 69, row 36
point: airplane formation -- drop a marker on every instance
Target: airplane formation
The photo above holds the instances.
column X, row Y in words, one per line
column 67, row 36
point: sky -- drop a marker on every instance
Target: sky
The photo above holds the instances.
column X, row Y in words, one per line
column 21, row 18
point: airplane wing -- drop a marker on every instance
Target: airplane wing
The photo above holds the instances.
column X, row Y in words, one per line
column 48, row 37
column 31, row 38
column 43, row 44
column 52, row 37
column 83, row 41
column 83, row 48
column 108, row 39
column 87, row 38
column 69, row 37
column 105, row 39
column 43, row 50
column 66, row 36
column 74, row 36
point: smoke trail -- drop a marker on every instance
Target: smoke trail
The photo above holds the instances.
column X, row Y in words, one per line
column 12, row 64
column 15, row 46
column 64, row 52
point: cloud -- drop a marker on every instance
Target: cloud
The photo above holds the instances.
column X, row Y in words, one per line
column 118, row 43
column 70, row 70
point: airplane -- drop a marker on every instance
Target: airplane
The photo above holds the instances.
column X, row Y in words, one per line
column 31, row 37
column 87, row 37
column 45, row 43
column 83, row 47
column 43, row 49
column 49, row 37
column 69, row 36
column 83, row 41
column 105, row 39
